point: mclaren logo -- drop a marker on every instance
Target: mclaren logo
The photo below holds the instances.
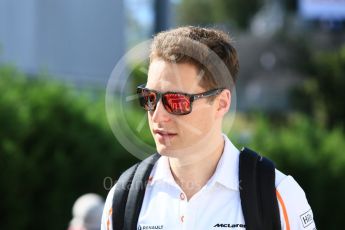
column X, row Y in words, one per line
column 230, row 226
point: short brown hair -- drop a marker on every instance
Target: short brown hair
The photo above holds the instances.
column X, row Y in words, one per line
column 198, row 46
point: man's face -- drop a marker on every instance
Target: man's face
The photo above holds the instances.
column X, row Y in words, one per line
column 173, row 134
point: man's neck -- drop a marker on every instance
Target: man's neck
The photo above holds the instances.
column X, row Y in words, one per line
column 192, row 175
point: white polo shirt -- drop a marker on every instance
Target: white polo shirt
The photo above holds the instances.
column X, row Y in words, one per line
column 216, row 206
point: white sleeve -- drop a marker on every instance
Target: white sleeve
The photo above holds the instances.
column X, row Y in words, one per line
column 295, row 212
column 107, row 211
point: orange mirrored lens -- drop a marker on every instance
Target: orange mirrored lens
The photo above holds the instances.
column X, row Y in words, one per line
column 176, row 103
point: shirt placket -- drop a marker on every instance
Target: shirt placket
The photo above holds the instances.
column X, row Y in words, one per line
column 183, row 209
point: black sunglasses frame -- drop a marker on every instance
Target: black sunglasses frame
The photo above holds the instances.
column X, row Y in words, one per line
column 160, row 95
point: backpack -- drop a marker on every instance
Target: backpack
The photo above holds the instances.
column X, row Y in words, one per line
column 257, row 192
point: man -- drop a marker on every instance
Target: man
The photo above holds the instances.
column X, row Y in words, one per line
column 195, row 183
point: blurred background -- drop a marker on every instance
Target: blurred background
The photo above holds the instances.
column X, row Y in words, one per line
column 56, row 58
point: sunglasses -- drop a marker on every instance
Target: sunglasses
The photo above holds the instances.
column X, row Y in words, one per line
column 176, row 103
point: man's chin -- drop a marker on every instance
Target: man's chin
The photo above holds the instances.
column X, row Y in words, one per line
column 164, row 151
column 169, row 151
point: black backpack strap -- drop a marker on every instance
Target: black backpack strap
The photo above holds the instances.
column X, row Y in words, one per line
column 129, row 194
column 120, row 197
column 258, row 192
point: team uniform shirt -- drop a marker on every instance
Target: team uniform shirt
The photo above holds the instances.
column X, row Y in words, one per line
column 216, row 206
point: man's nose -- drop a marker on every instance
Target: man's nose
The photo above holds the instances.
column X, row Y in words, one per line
column 160, row 114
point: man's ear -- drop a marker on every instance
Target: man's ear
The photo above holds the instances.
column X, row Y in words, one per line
column 223, row 103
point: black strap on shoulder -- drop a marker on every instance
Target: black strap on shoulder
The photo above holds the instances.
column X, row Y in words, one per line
column 120, row 197
column 258, row 192
column 129, row 194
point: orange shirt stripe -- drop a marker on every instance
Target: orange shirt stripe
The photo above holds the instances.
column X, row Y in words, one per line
column 109, row 216
column 286, row 217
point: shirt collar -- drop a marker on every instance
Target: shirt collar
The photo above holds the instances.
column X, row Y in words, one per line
column 162, row 172
column 227, row 169
column 226, row 172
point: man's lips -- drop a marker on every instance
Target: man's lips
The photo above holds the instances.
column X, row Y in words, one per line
column 163, row 135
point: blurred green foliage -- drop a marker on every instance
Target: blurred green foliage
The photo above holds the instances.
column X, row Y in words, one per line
column 204, row 12
column 55, row 145
column 310, row 153
column 322, row 93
